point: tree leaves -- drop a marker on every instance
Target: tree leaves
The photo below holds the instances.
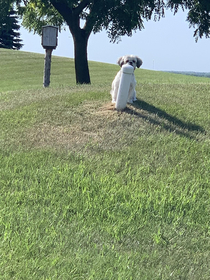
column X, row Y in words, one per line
column 9, row 35
column 198, row 14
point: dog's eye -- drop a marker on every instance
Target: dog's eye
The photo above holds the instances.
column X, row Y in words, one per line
column 127, row 61
column 134, row 61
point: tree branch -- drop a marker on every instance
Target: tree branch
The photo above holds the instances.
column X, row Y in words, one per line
column 89, row 24
column 82, row 5
column 63, row 9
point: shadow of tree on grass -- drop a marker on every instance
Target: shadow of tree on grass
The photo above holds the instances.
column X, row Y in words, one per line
column 161, row 118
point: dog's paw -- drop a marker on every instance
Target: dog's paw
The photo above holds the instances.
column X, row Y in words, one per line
column 130, row 101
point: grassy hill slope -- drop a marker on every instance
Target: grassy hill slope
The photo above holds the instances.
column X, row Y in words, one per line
column 24, row 70
column 91, row 193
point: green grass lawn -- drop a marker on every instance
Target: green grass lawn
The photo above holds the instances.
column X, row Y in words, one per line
column 91, row 193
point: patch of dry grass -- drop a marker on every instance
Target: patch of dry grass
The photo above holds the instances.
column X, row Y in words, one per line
column 99, row 126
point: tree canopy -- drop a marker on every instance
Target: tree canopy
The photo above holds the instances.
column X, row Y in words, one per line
column 117, row 17
column 198, row 15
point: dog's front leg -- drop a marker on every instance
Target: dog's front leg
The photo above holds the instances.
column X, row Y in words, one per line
column 132, row 91
column 131, row 94
column 113, row 93
column 134, row 95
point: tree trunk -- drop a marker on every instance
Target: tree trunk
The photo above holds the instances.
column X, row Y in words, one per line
column 80, row 55
column 71, row 14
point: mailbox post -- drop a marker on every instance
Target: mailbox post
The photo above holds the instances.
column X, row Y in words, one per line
column 49, row 43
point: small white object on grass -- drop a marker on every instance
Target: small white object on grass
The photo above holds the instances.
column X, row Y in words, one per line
column 122, row 95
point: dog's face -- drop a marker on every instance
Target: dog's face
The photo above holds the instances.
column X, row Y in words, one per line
column 132, row 60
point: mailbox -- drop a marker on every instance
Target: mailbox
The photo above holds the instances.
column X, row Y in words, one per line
column 49, row 37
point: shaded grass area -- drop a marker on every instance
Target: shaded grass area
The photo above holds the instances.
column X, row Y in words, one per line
column 91, row 193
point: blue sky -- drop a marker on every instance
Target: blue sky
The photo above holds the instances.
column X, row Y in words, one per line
column 166, row 45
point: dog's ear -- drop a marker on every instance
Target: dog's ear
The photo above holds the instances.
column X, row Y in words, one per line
column 139, row 62
column 120, row 61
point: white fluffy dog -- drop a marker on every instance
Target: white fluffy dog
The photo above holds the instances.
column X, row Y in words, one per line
column 134, row 61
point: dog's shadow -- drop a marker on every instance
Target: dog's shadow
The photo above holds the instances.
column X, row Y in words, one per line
column 159, row 117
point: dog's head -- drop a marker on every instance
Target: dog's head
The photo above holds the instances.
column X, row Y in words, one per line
column 132, row 60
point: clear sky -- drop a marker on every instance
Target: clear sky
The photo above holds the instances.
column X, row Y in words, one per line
column 166, row 45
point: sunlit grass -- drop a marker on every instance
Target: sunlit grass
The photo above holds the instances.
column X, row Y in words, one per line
column 91, row 193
